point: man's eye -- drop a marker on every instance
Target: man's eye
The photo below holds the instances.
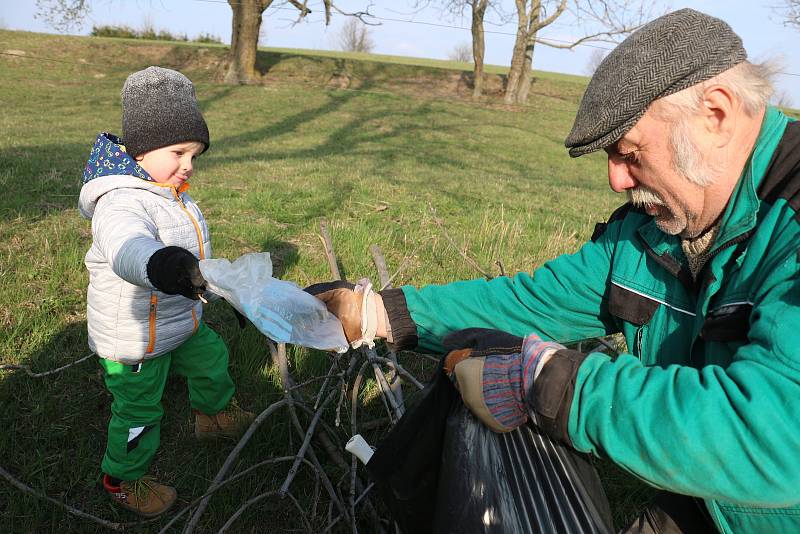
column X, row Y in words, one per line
column 630, row 157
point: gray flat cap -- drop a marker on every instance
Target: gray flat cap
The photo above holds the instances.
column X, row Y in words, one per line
column 159, row 109
column 666, row 55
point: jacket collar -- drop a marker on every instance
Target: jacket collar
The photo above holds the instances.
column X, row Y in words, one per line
column 109, row 158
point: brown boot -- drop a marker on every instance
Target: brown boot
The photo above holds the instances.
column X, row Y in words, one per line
column 144, row 496
column 230, row 422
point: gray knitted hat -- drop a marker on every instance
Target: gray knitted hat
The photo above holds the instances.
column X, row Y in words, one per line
column 159, row 108
column 667, row 55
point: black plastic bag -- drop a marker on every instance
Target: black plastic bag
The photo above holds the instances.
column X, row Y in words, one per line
column 405, row 466
column 441, row 470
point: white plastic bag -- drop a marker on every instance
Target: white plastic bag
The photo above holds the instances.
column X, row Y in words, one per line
column 279, row 309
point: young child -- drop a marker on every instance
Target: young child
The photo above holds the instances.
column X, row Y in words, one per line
column 144, row 316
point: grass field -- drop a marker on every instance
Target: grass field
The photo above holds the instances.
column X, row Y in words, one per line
column 377, row 159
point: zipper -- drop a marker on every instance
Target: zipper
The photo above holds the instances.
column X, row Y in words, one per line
column 638, row 342
column 153, row 307
column 194, row 222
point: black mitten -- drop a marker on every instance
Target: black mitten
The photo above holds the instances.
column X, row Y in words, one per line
column 176, row 271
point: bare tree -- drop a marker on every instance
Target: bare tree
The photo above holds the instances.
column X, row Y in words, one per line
column 597, row 57
column 354, row 37
column 791, row 10
column 62, row 15
column 598, row 20
column 461, row 52
column 245, row 27
column 478, row 9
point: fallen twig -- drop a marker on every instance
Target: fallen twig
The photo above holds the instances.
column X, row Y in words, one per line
column 74, row 511
column 225, row 482
column 15, row 367
column 279, row 358
column 463, row 254
column 400, row 369
column 257, row 498
column 328, row 245
column 231, row 458
column 306, row 441
column 380, row 264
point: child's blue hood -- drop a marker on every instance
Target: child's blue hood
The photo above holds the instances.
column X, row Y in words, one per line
column 108, row 158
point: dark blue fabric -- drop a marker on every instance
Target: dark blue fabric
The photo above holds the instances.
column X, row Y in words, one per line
column 108, row 157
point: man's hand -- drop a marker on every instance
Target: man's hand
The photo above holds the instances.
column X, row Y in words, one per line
column 354, row 305
column 342, row 301
column 176, row 271
column 494, row 373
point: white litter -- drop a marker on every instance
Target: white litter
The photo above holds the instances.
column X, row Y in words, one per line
column 279, row 309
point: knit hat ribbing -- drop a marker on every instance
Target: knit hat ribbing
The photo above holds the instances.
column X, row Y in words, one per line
column 159, row 108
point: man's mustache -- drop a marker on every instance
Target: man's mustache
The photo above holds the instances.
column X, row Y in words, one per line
column 642, row 196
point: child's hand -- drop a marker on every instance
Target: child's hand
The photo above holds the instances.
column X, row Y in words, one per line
column 176, row 271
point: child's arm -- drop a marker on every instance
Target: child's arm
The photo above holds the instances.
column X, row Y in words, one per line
column 128, row 239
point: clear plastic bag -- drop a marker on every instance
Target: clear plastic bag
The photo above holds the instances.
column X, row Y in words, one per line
column 279, row 309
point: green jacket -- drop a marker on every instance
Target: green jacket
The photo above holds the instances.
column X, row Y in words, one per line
column 707, row 402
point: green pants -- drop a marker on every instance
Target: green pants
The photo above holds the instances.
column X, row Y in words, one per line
column 135, row 426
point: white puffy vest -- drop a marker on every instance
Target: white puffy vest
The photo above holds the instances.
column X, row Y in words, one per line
column 129, row 320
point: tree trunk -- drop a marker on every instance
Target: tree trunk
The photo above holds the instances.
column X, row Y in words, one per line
column 478, row 45
column 527, row 63
column 244, row 40
column 526, row 78
column 518, row 55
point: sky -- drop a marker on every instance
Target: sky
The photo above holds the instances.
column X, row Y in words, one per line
column 757, row 22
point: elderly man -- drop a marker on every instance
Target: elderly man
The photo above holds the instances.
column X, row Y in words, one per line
column 700, row 271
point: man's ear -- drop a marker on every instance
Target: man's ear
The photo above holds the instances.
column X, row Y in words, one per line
column 719, row 108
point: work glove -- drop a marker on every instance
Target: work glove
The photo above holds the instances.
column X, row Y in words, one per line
column 353, row 305
column 176, row 271
column 494, row 372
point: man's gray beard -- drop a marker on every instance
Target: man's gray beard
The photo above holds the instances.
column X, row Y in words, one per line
column 675, row 224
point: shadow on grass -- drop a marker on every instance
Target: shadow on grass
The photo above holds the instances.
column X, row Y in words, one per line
column 54, row 433
column 283, row 254
column 39, row 178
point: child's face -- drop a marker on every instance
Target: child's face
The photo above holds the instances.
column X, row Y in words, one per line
column 171, row 164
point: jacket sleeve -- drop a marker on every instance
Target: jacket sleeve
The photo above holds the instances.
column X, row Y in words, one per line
column 725, row 433
column 126, row 236
column 563, row 300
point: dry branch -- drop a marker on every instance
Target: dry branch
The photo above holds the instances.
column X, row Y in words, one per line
column 279, row 358
column 15, row 367
column 328, row 245
column 74, row 511
column 383, row 274
column 470, row 261
column 232, row 458
column 304, row 447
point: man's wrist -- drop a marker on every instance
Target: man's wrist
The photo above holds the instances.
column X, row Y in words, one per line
column 383, row 329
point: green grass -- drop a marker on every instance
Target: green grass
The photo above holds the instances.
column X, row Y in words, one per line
column 282, row 155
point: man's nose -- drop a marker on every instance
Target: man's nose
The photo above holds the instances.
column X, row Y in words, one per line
column 619, row 175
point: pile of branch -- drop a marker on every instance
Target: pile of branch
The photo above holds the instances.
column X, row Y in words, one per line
column 343, row 382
